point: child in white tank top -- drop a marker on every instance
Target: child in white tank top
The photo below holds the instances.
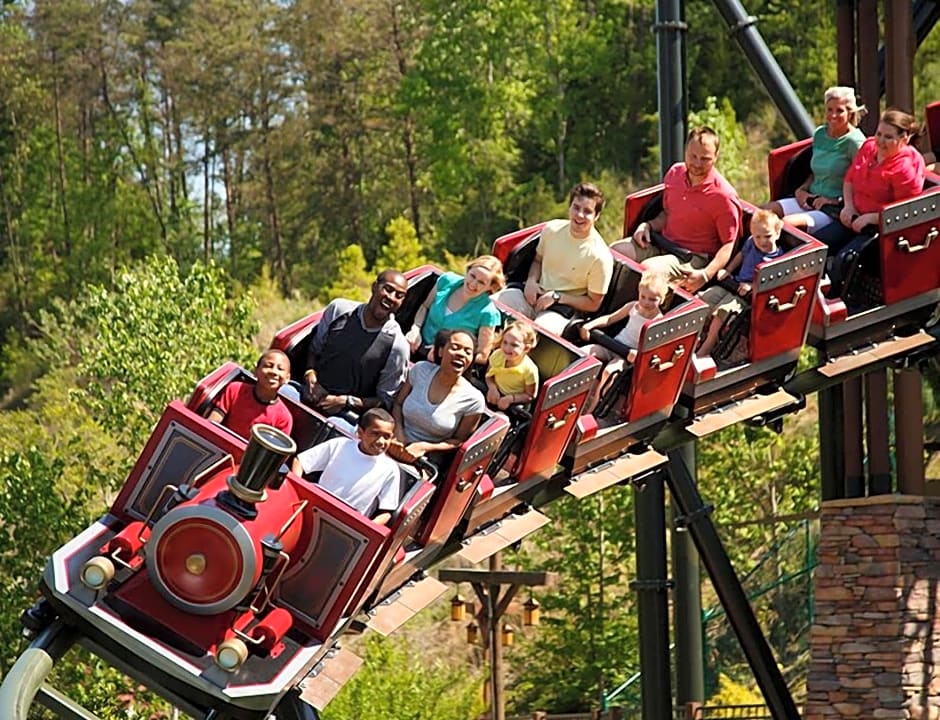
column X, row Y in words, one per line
column 651, row 293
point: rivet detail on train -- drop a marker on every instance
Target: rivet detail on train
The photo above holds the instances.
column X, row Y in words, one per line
column 570, row 387
column 790, row 269
column 913, row 212
column 672, row 327
column 478, row 452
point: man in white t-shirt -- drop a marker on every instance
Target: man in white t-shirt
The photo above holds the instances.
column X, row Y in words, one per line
column 358, row 473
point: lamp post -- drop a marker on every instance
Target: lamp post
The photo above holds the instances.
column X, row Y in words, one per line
column 495, row 589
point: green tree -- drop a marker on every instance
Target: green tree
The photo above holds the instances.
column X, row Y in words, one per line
column 403, row 251
column 352, row 280
column 30, row 498
column 401, row 681
column 589, row 616
column 124, row 352
column 156, row 333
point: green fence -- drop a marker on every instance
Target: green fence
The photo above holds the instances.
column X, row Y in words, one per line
column 780, row 589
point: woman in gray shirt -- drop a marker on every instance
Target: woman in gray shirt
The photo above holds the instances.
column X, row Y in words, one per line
column 436, row 408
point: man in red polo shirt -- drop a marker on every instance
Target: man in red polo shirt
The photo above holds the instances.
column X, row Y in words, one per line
column 701, row 214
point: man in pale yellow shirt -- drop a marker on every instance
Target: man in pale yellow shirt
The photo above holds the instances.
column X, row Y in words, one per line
column 572, row 266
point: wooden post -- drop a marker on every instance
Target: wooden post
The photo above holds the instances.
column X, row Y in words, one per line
column 909, row 430
column 900, row 45
column 879, row 448
column 497, row 701
column 495, row 589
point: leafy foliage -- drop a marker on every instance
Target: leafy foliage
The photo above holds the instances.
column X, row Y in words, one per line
column 152, row 337
column 30, row 498
column 589, row 617
column 731, row 693
column 395, row 684
column 403, row 250
column 352, row 280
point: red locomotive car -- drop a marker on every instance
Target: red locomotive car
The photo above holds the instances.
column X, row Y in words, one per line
column 217, row 576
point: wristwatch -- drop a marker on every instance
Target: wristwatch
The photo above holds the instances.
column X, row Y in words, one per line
column 556, row 296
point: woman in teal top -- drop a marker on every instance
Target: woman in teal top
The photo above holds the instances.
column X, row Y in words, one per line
column 462, row 303
column 834, row 147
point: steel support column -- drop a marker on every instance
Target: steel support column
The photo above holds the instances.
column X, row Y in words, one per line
column 899, row 54
column 867, row 52
column 845, row 42
column 743, row 28
column 831, row 446
column 670, row 30
column 652, row 588
column 853, row 444
column 687, row 604
column 728, row 587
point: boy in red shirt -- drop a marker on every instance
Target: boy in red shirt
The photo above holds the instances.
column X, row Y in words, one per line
column 243, row 404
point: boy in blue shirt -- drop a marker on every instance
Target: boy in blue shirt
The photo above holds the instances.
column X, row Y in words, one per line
column 760, row 246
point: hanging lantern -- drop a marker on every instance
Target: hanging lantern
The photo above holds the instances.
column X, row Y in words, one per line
column 508, row 635
column 531, row 612
column 473, row 633
column 458, row 608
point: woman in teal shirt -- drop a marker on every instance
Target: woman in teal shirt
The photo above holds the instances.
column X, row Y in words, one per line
column 462, row 303
column 818, row 200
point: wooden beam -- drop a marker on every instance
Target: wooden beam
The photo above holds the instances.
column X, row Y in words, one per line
column 497, row 577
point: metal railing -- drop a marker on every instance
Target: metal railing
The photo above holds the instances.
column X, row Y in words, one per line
column 706, row 712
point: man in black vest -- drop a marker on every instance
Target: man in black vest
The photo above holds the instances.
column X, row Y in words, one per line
column 358, row 355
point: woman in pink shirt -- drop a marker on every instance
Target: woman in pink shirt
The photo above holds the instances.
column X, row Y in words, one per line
column 886, row 169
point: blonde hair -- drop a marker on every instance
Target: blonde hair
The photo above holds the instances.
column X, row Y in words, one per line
column 526, row 332
column 494, row 266
column 655, row 281
column 847, row 95
column 767, row 219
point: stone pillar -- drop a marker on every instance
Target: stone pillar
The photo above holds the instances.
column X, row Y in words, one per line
column 875, row 640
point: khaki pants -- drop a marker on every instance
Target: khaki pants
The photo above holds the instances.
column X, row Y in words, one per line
column 655, row 259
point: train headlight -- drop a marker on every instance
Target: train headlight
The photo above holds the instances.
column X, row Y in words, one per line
column 97, row 572
column 231, row 654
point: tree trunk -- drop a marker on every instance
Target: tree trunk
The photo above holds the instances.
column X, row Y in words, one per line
column 60, row 153
column 231, row 203
column 408, row 129
column 207, row 249
column 279, row 261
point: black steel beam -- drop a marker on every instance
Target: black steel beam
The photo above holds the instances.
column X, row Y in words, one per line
column 670, row 29
column 652, row 588
column 697, row 518
column 743, row 29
